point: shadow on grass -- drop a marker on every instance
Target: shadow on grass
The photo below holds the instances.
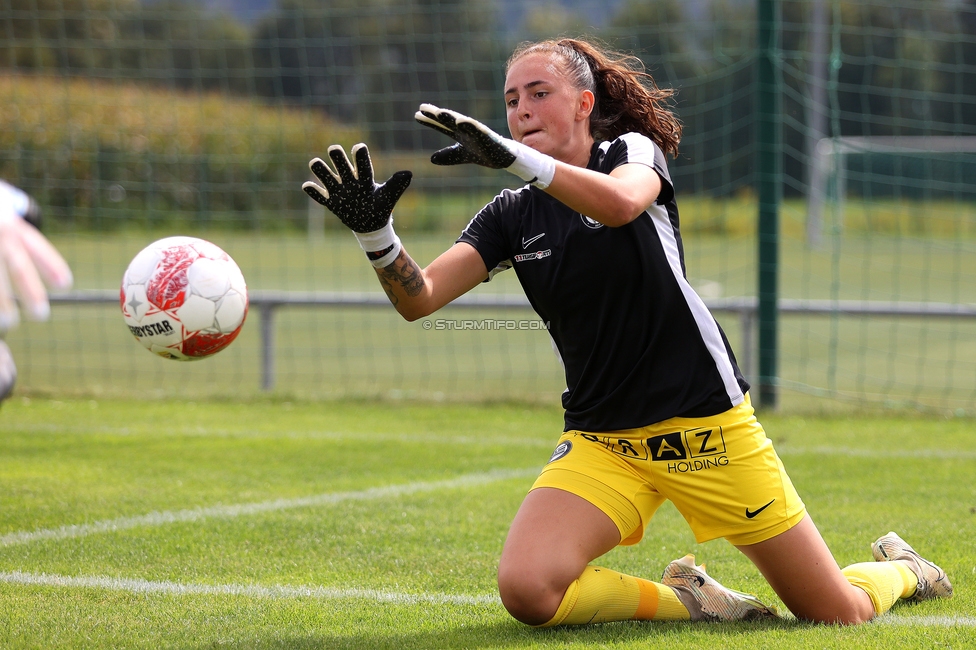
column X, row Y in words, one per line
column 514, row 635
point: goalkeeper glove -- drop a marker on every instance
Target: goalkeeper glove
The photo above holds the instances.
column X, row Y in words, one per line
column 27, row 260
column 478, row 144
column 361, row 204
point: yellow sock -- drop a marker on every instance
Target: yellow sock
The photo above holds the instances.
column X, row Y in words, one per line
column 601, row 595
column 911, row 580
column 884, row 582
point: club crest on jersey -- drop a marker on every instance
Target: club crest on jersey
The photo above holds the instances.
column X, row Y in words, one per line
column 593, row 224
column 538, row 255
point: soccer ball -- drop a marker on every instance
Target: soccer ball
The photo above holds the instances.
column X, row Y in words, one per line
column 183, row 298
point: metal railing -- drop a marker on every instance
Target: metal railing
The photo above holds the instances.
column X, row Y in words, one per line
column 267, row 304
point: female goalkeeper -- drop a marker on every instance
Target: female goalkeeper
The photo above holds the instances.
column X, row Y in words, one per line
column 655, row 406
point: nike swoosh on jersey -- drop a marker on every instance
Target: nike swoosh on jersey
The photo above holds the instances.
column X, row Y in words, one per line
column 752, row 513
column 527, row 242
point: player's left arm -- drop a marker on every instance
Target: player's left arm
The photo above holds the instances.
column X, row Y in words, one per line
column 613, row 199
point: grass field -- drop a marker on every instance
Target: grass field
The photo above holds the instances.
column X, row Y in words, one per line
column 348, row 524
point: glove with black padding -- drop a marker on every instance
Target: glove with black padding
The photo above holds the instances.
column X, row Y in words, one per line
column 478, row 144
column 361, row 204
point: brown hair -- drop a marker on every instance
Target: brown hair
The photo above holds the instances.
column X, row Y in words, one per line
column 627, row 99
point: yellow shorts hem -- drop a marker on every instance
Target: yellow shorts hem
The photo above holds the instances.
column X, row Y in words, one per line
column 754, row 537
column 613, row 504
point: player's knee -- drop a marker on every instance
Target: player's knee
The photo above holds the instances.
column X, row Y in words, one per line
column 844, row 612
column 528, row 596
column 839, row 618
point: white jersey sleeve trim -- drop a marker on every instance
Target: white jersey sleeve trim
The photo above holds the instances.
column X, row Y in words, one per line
column 707, row 326
column 640, row 148
column 503, row 266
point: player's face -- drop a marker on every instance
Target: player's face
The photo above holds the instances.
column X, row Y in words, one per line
column 545, row 111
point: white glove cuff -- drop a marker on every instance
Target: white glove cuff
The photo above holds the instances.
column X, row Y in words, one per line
column 532, row 166
column 381, row 246
column 14, row 202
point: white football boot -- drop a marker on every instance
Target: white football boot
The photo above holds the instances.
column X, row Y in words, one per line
column 706, row 599
column 932, row 581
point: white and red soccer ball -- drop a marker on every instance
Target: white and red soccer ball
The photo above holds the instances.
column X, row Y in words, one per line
column 183, row 298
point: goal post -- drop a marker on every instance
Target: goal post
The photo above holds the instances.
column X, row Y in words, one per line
column 830, row 158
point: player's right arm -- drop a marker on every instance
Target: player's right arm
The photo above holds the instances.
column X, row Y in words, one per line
column 417, row 292
column 366, row 208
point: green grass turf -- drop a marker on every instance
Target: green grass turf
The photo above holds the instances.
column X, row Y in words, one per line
column 403, row 501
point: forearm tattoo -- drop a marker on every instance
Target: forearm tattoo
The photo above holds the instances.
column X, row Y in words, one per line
column 404, row 272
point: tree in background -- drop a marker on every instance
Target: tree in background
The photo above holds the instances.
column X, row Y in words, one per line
column 183, row 45
column 176, row 43
column 708, row 57
column 374, row 61
column 71, row 36
column 905, row 69
column 550, row 19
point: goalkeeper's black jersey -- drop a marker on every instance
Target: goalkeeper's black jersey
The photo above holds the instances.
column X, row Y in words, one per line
column 637, row 343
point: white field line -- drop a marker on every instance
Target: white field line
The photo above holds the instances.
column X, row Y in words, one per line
column 943, row 454
column 927, row 621
column 247, row 509
column 254, row 591
column 514, row 441
column 548, row 439
column 279, row 592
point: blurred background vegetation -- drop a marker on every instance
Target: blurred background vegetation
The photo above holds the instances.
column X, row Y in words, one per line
column 207, row 112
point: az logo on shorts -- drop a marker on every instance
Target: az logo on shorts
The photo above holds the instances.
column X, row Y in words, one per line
column 620, row 446
column 689, row 451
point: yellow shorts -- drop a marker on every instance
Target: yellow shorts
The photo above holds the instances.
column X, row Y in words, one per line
column 721, row 473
